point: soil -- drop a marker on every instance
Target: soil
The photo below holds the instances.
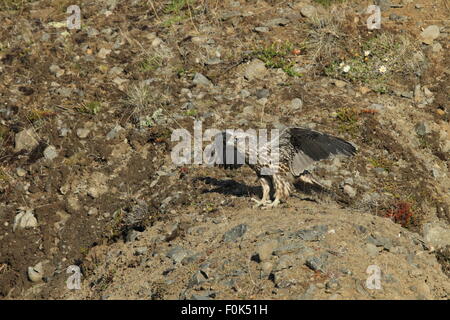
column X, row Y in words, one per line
column 113, row 202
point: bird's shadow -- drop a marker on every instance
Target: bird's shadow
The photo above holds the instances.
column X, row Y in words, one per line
column 229, row 187
column 237, row 189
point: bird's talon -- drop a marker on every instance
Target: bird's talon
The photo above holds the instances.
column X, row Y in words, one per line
column 260, row 203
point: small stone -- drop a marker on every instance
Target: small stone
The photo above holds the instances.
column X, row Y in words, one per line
column 50, row 153
column 235, row 233
column 201, row 80
column 309, row 11
column 339, row 83
column 262, row 93
column 372, row 250
column 83, row 133
column 277, row 22
column 256, row 69
column 114, row 132
column 437, row 47
column 350, row 191
column 177, row 254
column 266, row 267
column 316, row 263
column 297, row 104
column 266, row 249
column 25, row 219
column 429, row 34
column 103, row 53
column 261, row 29
column 376, row 106
column 21, row 172
column 140, row 251
column 422, row 129
column 436, row 235
column 26, row 139
column 36, row 273
column 56, row 70
column 314, row 234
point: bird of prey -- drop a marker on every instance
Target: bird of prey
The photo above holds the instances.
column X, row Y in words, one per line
column 295, row 149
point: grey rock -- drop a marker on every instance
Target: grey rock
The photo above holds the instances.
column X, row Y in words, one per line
column 82, row 133
column 350, row 191
column 255, row 69
column 309, row 11
column 132, row 235
column 332, row 285
column 266, row 249
column 262, row 93
column 213, row 61
column 429, row 34
column 422, row 129
column 56, row 70
column 235, row 233
column 64, row 131
column 314, row 234
column 383, row 4
column 436, row 235
column 201, row 80
column 277, row 22
column 197, row 278
column 316, row 262
column 64, row 92
column 177, row 254
column 140, row 251
column 309, row 293
column 25, row 219
column 372, row 250
column 114, row 132
column 36, row 273
column 261, row 29
column 296, row 104
column 208, row 295
column 26, row 139
column 376, row 106
column 50, row 153
column 289, row 248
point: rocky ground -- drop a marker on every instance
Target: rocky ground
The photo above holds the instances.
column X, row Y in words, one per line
column 87, row 179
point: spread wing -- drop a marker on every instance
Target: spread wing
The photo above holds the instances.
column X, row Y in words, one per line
column 310, row 146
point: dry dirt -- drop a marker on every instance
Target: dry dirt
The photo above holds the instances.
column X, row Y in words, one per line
column 101, row 102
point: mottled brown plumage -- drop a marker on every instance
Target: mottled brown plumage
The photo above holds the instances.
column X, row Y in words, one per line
column 277, row 166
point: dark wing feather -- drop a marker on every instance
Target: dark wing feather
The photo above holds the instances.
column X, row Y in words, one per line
column 230, row 157
column 311, row 146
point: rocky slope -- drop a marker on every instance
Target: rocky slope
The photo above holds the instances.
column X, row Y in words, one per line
column 87, row 179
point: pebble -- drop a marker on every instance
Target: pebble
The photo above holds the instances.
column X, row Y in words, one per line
column 21, row 172
column 36, row 273
column 266, row 249
column 50, row 153
column 235, row 233
column 201, row 80
column 83, row 133
column 177, row 254
column 25, row 219
column 296, row 104
column 26, row 139
column 429, row 34
column 309, row 11
column 256, row 69
column 350, row 191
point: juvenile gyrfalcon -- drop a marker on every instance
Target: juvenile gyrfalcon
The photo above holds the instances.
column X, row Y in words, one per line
column 297, row 151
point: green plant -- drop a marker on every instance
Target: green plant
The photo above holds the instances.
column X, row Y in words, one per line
column 278, row 56
column 151, row 62
column 92, row 107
